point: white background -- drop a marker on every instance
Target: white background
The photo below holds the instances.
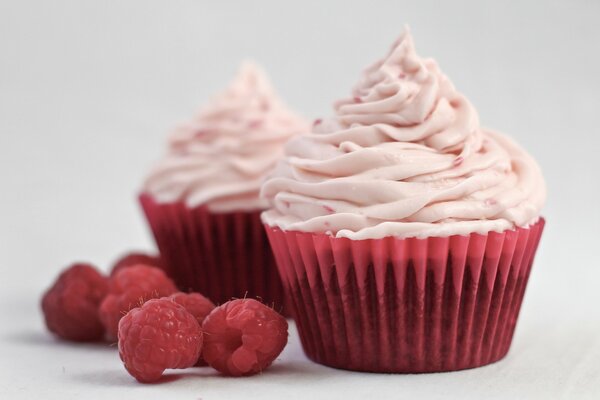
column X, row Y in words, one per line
column 89, row 90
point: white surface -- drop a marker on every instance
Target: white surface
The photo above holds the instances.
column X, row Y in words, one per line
column 89, row 89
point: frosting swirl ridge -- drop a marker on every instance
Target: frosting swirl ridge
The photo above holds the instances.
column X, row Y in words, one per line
column 221, row 157
column 404, row 156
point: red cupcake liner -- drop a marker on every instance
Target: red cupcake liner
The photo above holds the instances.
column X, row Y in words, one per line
column 221, row 255
column 406, row 305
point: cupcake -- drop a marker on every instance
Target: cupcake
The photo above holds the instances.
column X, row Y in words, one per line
column 403, row 231
column 202, row 199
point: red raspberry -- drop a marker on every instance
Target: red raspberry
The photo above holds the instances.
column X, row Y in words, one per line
column 135, row 258
column 70, row 306
column 129, row 288
column 160, row 334
column 197, row 305
column 243, row 337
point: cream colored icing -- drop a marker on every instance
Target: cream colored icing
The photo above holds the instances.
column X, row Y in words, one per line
column 221, row 157
column 405, row 156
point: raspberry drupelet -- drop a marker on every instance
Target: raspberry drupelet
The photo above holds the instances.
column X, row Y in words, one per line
column 159, row 335
column 243, row 337
column 135, row 258
column 70, row 306
column 197, row 305
column 129, row 288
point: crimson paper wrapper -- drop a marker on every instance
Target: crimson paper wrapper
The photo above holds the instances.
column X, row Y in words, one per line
column 220, row 255
column 406, row 305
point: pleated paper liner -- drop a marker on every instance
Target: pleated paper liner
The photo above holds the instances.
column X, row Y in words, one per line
column 221, row 256
column 406, row 305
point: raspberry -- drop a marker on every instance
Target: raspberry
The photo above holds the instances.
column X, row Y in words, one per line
column 197, row 305
column 135, row 258
column 158, row 335
column 70, row 306
column 129, row 288
column 243, row 337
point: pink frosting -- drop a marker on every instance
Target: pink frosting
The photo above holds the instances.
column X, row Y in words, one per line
column 221, row 157
column 405, row 156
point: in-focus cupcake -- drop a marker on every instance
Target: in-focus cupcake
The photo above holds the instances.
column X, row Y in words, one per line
column 404, row 232
column 202, row 199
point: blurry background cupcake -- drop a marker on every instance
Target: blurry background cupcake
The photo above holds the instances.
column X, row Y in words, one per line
column 202, row 199
column 403, row 230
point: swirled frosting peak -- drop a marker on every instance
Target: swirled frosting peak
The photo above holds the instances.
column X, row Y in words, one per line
column 221, row 157
column 404, row 156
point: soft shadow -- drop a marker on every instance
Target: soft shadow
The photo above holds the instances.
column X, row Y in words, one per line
column 296, row 369
column 303, row 368
column 122, row 378
column 105, row 378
